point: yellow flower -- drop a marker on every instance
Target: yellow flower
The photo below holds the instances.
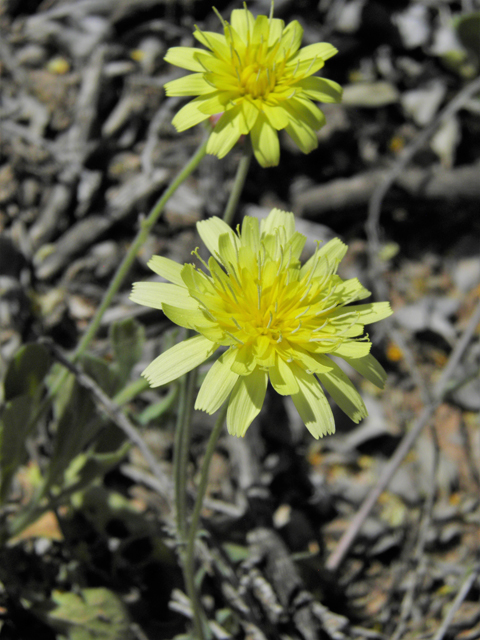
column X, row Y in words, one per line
column 257, row 76
column 276, row 319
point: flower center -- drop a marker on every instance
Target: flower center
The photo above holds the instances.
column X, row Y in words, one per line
column 257, row 80
column 265, row 304
column 262, row 300
column 256, row 72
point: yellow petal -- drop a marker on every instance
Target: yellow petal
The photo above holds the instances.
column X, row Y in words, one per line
column 370, row 369
column 362, row 313
column 283, row 378
column 242, row 22
column 190, row 115
column 338, row 385
column 210, row 231
column 180, row 359
column 246, row 401
column 214, row 41
column 225, row 133
column 276, row 29
column 244, row 362
column 353, row 349
column 321, row 89
column 329, row 254
column 291, row 39
column 312, row 405
column 215, row 104
column 320, row 50
column 191, row 85
column 168, row 269
column 276, row 116
column 309, row 361
column 250, row 114
column 185, row 57
column 303, row 110
column 154, row 294
column 260, row 29
column 277, row 220
column 303, row 136
column 265, row 143
column 217, row 385
column 251, row 233
column 188, row 318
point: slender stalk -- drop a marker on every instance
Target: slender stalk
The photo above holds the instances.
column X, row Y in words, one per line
column 202, row 485
column 240, row 177
column 182, row 445
column 145, row 228
column 189, row 562
column 181, row 450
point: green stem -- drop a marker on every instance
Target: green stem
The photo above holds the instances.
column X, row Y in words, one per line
column 181, row 450
column 202, row 485
column 189, row 568
column 240, row 177
column 182, row 445
column 145, row 228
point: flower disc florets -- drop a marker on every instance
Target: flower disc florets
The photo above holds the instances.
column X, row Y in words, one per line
column 257, row 76
column 277, row 319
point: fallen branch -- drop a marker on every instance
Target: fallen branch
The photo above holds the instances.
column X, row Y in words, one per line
column 472, row 575
column 439, row 392
column 343, row 193
column 116, row 415
column 375, row 206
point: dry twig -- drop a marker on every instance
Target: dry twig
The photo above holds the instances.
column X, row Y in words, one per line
column 375, row 206
column 472, row 575
column 346, row 541
column 163, row 485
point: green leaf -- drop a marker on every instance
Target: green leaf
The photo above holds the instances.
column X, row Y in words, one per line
column 23, row 388
column 235, row 552
column 27, row 370
column 127, row 338
column 102, row 372
column 77, row 425
column 90, row 465
column 468, row 29
column 94, row 614
column 79, row 421
column 14, row 429
column 157, row 409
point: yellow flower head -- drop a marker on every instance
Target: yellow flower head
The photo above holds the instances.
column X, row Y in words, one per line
column 277, row 320
column 257, row 76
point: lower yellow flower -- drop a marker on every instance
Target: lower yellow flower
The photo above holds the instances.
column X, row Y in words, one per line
column 277, row 320
column 259, row 79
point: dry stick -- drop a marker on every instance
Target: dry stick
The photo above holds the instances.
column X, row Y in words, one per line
column 373, row 233
column 420, row 568
column 372, row 226
column 472, row 575
column 115, row 413
column 374, row 210
column 336, row 558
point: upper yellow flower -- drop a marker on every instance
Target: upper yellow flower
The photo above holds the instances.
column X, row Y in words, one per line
column 259, row 79
column 277, row 319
